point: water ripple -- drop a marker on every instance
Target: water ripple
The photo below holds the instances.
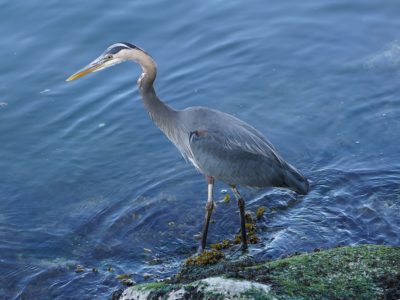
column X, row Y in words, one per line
column 86, row 178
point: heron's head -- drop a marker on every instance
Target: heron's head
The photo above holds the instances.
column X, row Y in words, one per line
column 113, row 55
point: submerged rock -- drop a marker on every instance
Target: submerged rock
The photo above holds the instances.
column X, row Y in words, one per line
column 79, row 269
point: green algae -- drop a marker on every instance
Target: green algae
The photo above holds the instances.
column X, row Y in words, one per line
column 225, row 244
column 257, row 294
column 226, row 199
column 123, row 276
column 207, row 257
column 362, row 272
column 260, row 212
column 152, row 286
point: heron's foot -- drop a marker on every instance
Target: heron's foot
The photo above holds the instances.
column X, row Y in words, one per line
column 200, row 250
column 238, row 251
column 244, row 248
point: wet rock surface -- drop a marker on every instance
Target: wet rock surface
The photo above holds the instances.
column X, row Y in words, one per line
column 359, row 272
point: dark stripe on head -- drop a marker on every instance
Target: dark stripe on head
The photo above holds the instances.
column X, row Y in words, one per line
column 129, row 45
column 133, row 47
column 114, row 49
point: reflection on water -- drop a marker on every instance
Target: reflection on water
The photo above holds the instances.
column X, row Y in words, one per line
column 86, row 178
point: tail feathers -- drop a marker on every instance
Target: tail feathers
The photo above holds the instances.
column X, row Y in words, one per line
column 295, row 181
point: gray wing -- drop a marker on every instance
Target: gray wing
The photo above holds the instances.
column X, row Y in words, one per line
column 233, row 151
column 228, row 149
column 220, row 157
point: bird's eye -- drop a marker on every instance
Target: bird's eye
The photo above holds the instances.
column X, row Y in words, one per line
column 108, row 56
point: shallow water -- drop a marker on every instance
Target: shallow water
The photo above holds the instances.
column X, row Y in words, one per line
column 86, row 178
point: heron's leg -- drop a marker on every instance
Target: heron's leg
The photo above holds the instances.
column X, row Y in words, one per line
column 242, row 216
column 209, row 209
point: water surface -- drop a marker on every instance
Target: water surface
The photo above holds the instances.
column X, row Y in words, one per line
column 86, row 178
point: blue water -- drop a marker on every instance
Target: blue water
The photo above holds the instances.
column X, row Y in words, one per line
column 87, row 179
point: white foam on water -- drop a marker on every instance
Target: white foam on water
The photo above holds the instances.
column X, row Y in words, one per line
column 388, row 57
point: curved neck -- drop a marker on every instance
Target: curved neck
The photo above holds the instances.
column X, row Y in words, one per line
column 163, row 115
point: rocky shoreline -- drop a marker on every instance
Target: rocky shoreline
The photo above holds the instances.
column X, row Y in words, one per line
column 351, row 272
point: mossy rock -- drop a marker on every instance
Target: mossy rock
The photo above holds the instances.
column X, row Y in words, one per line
column 212, row 288
column 207, row 257
column 359, row 272
column 225, row 244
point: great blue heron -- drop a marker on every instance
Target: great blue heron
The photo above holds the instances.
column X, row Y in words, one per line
column 219, row 145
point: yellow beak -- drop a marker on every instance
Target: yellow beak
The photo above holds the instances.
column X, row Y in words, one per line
column 86, row 70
